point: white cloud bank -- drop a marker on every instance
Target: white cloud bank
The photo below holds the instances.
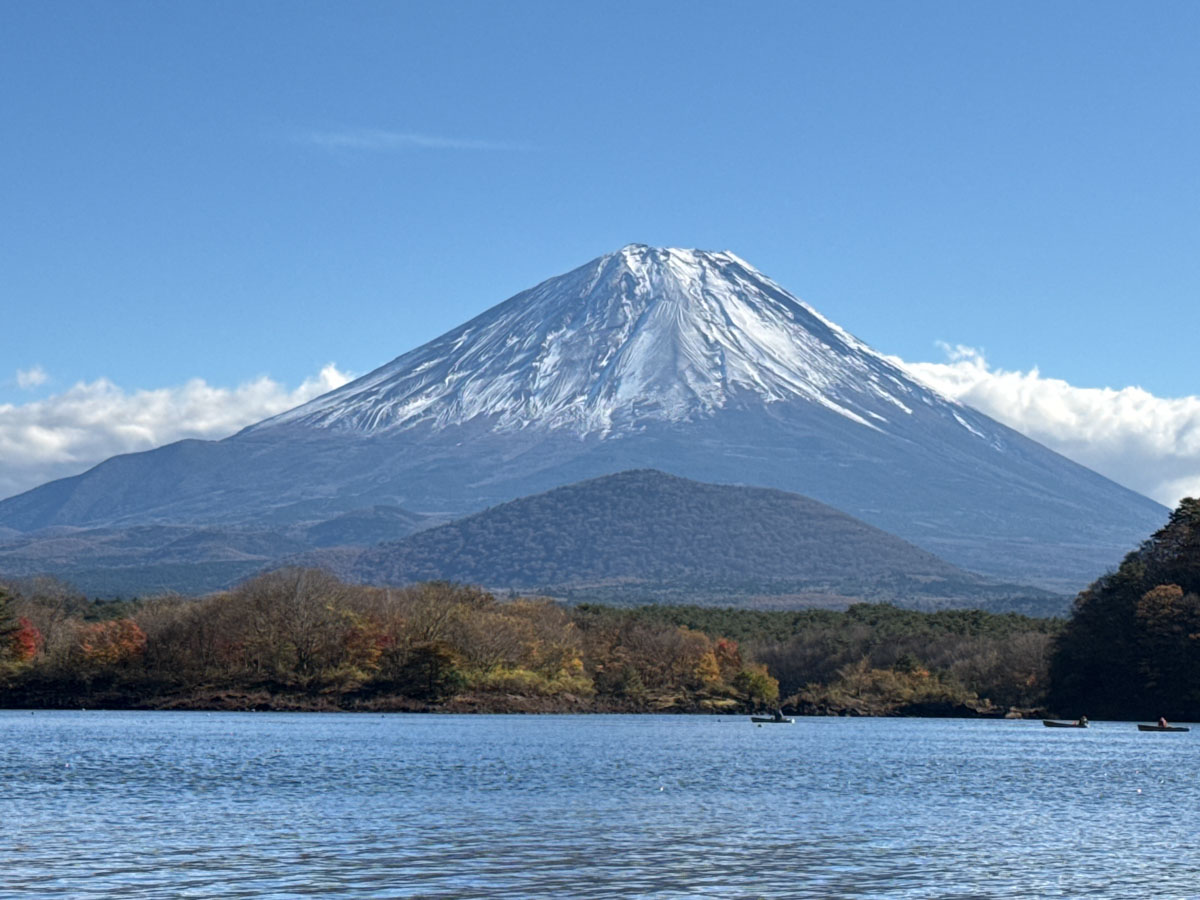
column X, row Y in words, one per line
column 1147, row 443
column 66, row 433
column 1150, row 444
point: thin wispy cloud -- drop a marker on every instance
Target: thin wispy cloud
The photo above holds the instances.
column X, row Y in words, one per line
column 378, row 140
column 66, row 433
column 28, row 379
column 1148, row 443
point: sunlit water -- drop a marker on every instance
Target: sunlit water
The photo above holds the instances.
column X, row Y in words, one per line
column 109, row 804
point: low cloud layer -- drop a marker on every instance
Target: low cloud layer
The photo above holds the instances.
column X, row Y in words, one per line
column 1147, row 443
column 69, row 432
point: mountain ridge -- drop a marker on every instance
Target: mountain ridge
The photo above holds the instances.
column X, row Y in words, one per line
column 689, row 362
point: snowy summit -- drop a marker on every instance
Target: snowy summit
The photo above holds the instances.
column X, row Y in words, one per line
column 640, row 334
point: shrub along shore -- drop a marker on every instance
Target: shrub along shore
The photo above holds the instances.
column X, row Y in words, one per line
column 303, row 640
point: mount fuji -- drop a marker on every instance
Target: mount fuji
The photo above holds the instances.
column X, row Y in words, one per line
column 685, row 361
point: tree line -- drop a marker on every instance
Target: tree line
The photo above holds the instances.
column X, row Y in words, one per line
column 302, row 639
column 1131, row 648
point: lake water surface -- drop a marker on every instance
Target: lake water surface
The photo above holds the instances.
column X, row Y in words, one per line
column 115, row 804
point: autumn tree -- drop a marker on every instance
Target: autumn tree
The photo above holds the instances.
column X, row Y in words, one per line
column 757, row 685
column 19, row 639
column 111, row 643
column 27, row 642
column 53, row 610
column 300, row 629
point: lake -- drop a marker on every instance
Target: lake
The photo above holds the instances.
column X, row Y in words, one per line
column 272, row 805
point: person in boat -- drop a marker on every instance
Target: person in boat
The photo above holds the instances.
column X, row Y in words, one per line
column 778, row 715
column 1162, row 722
column 1082, row 721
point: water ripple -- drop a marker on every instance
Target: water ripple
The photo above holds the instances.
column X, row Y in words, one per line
column 170, row 805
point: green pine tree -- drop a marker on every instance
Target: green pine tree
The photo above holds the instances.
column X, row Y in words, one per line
column 9, row 625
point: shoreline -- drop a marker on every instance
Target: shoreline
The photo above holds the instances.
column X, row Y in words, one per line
column 230, row 701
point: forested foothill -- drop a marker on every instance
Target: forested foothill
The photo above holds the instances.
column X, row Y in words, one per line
column 1131, row 648
column 644, row 536
column 303, row 639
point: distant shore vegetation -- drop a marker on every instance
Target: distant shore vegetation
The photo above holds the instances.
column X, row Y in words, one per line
column 302, row 639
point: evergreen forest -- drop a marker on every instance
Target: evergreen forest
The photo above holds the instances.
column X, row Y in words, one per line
column 1131, row 648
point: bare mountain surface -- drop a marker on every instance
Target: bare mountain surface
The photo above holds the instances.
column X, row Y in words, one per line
column 148, row 559
column 363, row 527
column 686, row 361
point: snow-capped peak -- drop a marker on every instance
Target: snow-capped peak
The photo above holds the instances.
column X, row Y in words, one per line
column 640, row 334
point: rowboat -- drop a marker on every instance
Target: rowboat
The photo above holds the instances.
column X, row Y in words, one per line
column 1162, row 728
column 1050, row 723
column 771, row 720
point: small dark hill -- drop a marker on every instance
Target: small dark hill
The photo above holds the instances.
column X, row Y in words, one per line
column 1131, row 649
column 644, row 535
column 364, row 527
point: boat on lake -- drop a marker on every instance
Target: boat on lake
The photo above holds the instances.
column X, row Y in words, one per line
column 1051, row 723
column 1162, row 728
column 771, row 720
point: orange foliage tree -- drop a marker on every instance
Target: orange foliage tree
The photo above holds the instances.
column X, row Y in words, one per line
column 20, row 640
column 111, row 643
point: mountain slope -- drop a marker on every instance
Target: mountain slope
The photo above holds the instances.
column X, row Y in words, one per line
column 644, row 535
column 149, row 559
column 685, row 361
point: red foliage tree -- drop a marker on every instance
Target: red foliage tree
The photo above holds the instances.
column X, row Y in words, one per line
column 26, row 641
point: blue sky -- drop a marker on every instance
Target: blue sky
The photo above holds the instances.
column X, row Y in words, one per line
column 231, row 191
